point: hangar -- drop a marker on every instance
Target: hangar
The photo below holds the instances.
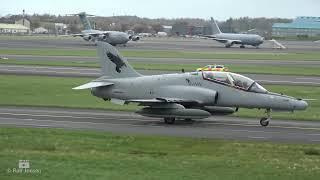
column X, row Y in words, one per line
column 301, row 26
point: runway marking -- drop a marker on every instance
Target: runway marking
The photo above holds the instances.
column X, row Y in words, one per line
column 69, row 112
column 317, row 79
column 257, row 137
column 55, row 72
column 50, row 67
column 315, row 140
column 58, row 123
column 238, row 130
column 284, row 127
column 64, row 116
column 32, row 125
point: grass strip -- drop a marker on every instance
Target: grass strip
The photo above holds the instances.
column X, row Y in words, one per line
column 72, row 154
column 254, row 69
column 169, row 54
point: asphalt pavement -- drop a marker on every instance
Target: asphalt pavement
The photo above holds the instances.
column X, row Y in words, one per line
column 218, row 127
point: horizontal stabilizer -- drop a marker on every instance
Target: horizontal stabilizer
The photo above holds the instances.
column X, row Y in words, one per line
column 93, row 85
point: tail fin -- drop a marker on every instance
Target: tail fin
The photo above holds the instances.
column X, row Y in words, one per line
column 85, row 21
column 215, row 27
column 113, row 64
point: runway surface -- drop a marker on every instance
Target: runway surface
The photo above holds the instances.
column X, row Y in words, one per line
column 80, row 59
column 95, row 72
column 123, row 122
column 166, row 43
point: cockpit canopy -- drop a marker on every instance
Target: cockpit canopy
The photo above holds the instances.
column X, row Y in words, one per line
column 234, row 80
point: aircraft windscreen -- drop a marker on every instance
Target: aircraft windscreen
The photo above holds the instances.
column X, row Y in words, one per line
column 257, row 88
column 241, row 81
column 235, row 80
column 217, row 76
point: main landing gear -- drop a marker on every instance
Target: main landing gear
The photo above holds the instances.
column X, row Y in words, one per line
column 242, row 46
column 169, row 120
column 265, row 120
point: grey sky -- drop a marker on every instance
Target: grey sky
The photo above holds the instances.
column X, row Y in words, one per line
column 219, row 9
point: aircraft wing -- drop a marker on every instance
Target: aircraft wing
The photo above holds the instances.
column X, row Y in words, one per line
column 98, row 33
column 90, row 34
column 213, row 37
column 73, row 35
column 92, row 85
column 231, row 41
column 76, row 35
column 159, row 101
column 208, row 36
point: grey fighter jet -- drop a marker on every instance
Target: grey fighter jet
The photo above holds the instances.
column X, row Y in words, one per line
column 230, row 39
column 193, row 95
column 112, row 37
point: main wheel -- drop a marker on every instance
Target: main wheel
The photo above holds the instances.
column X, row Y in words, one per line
column 188, row 119
column 242, row 46
column 169, row 120
column 264, row 121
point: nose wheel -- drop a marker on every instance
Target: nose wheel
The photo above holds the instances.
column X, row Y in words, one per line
column 265, row 120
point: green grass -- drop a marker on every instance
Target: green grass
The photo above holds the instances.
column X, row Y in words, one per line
column 72, row 154
column 170, row 54
column 93, row 64
column 257, row 69
column 50, row 91
column 57, row 92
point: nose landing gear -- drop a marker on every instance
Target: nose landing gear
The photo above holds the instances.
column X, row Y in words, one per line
column 265, row 120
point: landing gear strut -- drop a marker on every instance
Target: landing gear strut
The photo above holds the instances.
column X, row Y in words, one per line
column 169, row 120
column 265, row 120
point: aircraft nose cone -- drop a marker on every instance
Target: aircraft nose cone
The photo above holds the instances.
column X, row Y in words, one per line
column 301, row 105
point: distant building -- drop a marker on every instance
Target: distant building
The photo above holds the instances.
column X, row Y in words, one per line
column 13, row 29
column 167, row 29
column 301, row 26
column 40, row 30
column 60, row 28
column 25, row 22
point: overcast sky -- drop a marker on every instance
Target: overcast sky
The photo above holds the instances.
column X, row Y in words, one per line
column 219, row 9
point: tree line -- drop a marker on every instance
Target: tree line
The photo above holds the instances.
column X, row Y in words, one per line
column 138, row 25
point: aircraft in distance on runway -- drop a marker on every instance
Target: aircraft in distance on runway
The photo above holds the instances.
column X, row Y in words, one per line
column 111, row 37
column 194, row 95
column 230, row 39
